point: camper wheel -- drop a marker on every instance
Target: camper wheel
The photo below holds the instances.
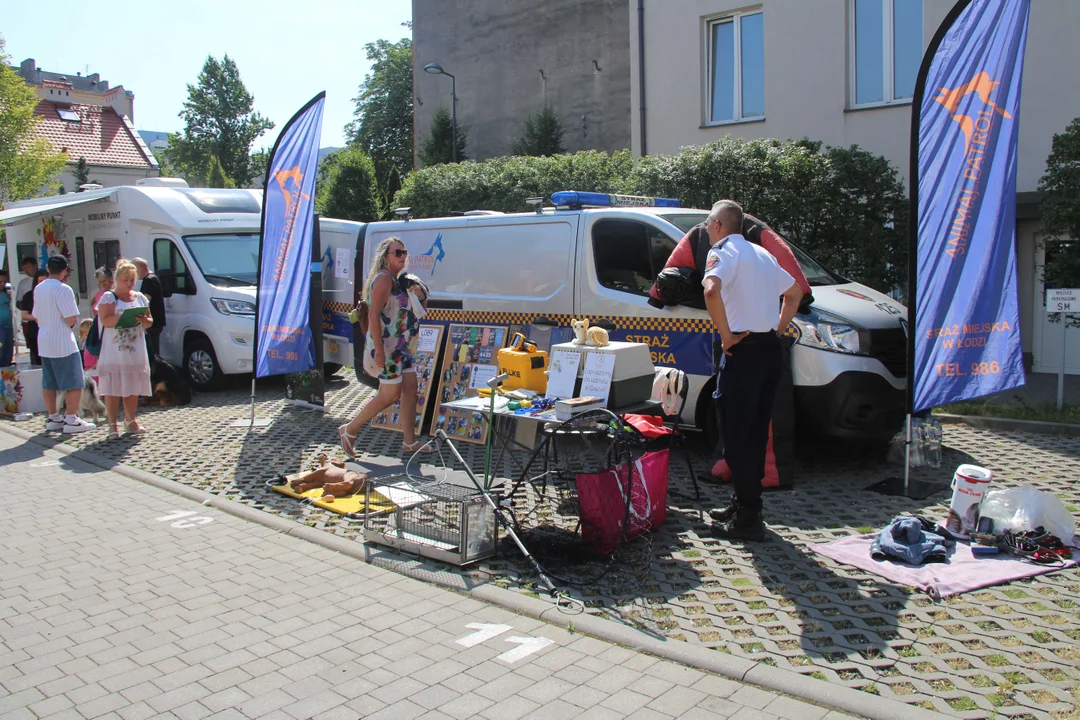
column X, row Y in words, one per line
column 201, row 364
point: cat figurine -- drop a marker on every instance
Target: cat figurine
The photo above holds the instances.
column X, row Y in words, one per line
column 586, row 335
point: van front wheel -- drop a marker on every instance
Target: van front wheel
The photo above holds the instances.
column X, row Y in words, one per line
column 201, row 364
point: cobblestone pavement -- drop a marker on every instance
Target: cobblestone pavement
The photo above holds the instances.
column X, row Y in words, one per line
column 121, row 600
column 1008, row 651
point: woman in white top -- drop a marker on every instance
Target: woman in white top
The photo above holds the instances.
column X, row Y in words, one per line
column 123, row 367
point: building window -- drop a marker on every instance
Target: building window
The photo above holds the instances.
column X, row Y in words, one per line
column 68, row 114
column 886, row 50
column 736, row 67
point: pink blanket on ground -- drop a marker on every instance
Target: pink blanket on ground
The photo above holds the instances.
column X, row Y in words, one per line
column 962, row 572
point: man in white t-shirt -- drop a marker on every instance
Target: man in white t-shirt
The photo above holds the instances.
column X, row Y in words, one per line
column 744, row 286
column 56, row 313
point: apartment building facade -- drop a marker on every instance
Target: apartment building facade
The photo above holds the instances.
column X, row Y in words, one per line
column 843, row 72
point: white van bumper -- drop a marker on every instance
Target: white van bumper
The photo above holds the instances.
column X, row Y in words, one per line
column 847, row 396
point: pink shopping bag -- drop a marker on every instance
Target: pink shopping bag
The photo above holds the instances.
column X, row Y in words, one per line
column 602, row 499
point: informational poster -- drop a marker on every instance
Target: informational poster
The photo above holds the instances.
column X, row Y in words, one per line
column 466, row 347
column 562, row 374
column 342, row 263
column 425, row 355
column 428, row 340
column 596, row 380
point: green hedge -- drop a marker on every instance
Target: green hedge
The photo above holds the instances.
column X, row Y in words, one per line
column 844, row 206
column 504, row 183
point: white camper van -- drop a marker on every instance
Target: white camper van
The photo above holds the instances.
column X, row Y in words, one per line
column 597, row 256
column 202, row 243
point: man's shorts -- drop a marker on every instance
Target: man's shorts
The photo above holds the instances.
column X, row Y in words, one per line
column 62, row 374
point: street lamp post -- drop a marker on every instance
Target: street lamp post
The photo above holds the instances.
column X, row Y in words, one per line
column 436, row 69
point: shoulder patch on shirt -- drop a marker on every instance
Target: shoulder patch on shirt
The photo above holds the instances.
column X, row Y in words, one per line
column 712, row 262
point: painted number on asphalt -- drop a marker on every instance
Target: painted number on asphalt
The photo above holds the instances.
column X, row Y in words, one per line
column 184, row 519
column 525, row 645
column 483, row 632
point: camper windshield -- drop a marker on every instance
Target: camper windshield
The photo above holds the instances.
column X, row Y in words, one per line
column 815, row 273
column 226, row 259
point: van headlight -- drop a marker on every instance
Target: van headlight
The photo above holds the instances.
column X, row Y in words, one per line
column 828, row 332
column 233, row 307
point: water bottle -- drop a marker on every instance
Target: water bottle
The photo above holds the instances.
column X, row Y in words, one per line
column 936, row 435
column 918, row 443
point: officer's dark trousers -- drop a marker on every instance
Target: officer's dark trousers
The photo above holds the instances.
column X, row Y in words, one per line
column 747, row 390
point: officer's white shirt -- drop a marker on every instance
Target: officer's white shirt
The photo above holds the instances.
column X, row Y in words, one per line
column 751, row 283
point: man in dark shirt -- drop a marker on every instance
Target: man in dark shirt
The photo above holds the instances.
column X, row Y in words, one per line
column 155, row 292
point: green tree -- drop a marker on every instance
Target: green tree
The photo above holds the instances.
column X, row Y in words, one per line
column 26, row 162
column 383, row 118
column 219, row 122
column 541, row 134
column 82, row 174
column 845, row 206
column 260, row 163
column 438, row 147
column 1061, row 208
column 346, row 186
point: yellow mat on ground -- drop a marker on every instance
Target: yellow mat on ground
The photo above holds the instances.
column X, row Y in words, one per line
column 349, row 505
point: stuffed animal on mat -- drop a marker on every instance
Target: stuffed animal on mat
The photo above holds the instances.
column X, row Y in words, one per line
column 585, row 335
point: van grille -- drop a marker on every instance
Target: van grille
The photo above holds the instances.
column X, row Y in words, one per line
column 890, row 347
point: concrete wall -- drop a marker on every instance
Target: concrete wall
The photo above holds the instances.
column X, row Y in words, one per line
column 806, row 79
column 496, row 50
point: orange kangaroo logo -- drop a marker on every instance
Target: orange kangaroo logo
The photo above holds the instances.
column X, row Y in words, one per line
column 283, row 176
column 981, row 84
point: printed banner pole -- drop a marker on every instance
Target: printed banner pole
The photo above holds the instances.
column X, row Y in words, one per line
column 283, row 338
column 963, row 318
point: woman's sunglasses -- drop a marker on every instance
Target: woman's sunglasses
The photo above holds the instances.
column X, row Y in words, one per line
column 398, row 252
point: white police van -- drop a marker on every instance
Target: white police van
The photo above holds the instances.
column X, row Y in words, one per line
column 595, row 255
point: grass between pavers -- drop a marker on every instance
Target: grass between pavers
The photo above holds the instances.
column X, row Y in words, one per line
column 1019, row 411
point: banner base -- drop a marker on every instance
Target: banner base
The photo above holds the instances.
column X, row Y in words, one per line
column 916, row 489
column 305, row 405
column 261, row 422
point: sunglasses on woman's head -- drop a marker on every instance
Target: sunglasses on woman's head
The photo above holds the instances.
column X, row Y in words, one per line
column 398, row 252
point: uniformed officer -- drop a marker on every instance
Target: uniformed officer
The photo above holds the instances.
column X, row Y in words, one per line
column 744, row 286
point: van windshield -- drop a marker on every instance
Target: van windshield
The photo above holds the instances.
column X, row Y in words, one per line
column 226, row 259
column 815, row 273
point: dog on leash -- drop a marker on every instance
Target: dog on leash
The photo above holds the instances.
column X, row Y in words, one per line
column 170, row 387
column 90, row 403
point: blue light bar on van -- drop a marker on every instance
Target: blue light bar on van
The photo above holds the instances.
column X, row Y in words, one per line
column 574, row 198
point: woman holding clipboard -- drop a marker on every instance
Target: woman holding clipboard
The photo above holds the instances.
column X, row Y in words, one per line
column 123, row 366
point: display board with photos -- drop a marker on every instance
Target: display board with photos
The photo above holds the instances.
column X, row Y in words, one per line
column 469, row 352
column 425, row 357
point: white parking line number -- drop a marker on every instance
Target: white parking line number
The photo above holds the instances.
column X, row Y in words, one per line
column 526, row 645
column 184, row 519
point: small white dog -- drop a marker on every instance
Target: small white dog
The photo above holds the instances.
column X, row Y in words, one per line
column 585, row 335
column 90, row 402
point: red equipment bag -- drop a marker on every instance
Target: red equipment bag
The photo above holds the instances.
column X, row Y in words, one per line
column 602, row 500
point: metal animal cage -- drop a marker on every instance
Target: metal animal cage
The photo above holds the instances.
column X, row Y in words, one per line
column 440, row 521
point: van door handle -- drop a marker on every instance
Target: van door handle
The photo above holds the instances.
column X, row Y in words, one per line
column 544, row 321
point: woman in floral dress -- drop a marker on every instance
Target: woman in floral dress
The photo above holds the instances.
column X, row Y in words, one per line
column 123, row 367
column 391, row 327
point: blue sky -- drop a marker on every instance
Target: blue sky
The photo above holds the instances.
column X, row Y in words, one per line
column 285, row 54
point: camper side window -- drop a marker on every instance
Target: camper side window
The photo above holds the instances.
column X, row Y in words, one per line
column 170, row 267
column 106, row 253
column 629, row 254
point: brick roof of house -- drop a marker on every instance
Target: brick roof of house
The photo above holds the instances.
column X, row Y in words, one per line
column 101, row 136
